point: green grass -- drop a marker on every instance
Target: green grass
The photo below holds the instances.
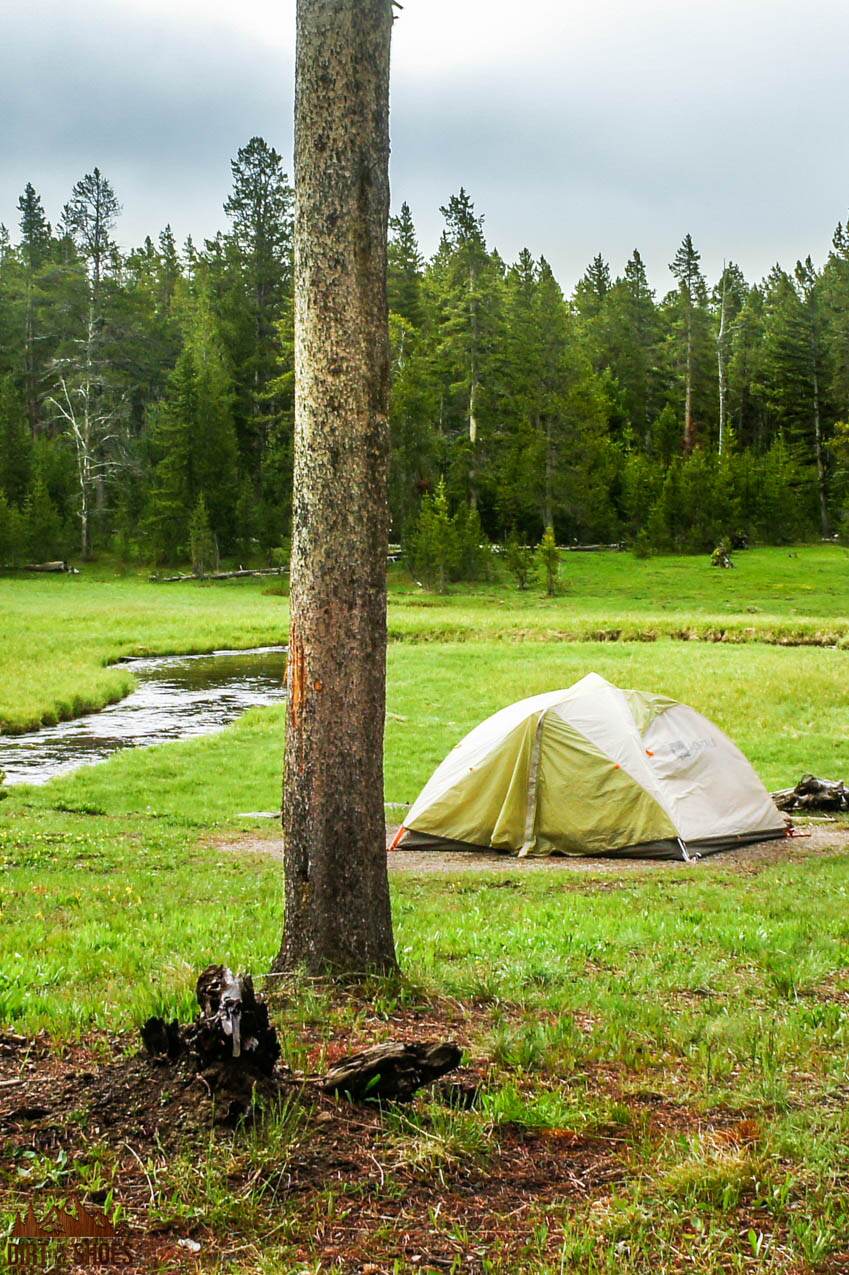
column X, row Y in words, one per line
column 61, row 633
column 785, row 707
column 722, row 996
column 646, row 1015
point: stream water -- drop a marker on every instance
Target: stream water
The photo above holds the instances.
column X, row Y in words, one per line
column 177, row 697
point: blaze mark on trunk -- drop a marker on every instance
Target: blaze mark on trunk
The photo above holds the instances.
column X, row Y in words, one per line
column 297, row 679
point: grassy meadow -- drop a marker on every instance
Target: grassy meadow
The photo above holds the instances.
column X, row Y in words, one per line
column 62, row 633
column 672, row 1046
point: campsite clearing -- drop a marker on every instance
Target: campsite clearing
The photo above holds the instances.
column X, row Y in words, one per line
column 660, row 1049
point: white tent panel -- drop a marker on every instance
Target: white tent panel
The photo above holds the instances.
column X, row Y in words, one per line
column 709, row 785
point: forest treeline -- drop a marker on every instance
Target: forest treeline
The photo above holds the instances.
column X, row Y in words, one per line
column 146, row 398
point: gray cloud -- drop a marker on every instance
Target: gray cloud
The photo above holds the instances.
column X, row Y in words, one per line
column 607, row 126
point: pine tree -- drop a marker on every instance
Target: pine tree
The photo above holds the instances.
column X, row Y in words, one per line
column 250, row 271
column 413, row 407
column 194, row 441
column 89, row 218
column 591, row 303
column 36, row 241
column 469, row 319
column 85, row 398
column 835, row 304
column 633, row 339
column 170, row 269
column 337, row 913
column 691, row 298
column 747, row 406
column 247, row 521
column 42, row 526
column 795, row 367
column 404, row 268
column 35, row 229
column 15, row 444
column 433, row 549
column 12, row 534
column 592, row 289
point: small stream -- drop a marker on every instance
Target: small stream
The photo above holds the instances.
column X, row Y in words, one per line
column 177, row 697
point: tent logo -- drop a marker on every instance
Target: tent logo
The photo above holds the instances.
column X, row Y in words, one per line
column 65, row 1240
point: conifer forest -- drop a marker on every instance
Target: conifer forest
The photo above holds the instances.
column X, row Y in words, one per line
column 146, row 397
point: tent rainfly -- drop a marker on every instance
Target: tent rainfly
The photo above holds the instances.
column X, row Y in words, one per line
column 594, row 770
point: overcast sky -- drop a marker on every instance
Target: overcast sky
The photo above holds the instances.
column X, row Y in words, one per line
column 578, row 126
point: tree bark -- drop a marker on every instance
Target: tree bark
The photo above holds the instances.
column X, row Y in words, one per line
column 721, row 368
column 689, row 430
column 825, row 525
column 337, row 895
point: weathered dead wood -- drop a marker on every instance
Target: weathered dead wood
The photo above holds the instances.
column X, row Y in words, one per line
column 813, row 795
column 231, row 1044
column 392, row 1071
column 615, row 548
column 55, row 567
column 233, row 1050
column 220, row 575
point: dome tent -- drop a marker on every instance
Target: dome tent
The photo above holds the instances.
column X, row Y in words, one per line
column 594, row 770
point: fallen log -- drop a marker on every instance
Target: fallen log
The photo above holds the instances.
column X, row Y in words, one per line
column 220, row 575
column 392, row 1071
column 615, row 548
column 55, row 567
column 813, row 795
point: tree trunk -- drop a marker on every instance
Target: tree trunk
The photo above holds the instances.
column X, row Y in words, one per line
column 473, row 442
column 721, row 370
column 688, row 389
column 548, row 499
column 337, row 894
column 825, row 525
column 29, row 361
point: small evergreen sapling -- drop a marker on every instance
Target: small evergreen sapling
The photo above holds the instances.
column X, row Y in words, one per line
column 435, row 551
column 202, row 542
column 548, row 561
column 518, row 559
column 12, row 533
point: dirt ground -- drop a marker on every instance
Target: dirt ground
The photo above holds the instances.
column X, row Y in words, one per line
column 811, row 839
column 62, row 1104
column 101, row 1098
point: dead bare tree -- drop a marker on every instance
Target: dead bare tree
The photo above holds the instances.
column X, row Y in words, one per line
column 93, row 427
column 88, row 413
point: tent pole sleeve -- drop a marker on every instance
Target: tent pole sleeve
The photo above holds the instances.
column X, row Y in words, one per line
column 533, row 783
